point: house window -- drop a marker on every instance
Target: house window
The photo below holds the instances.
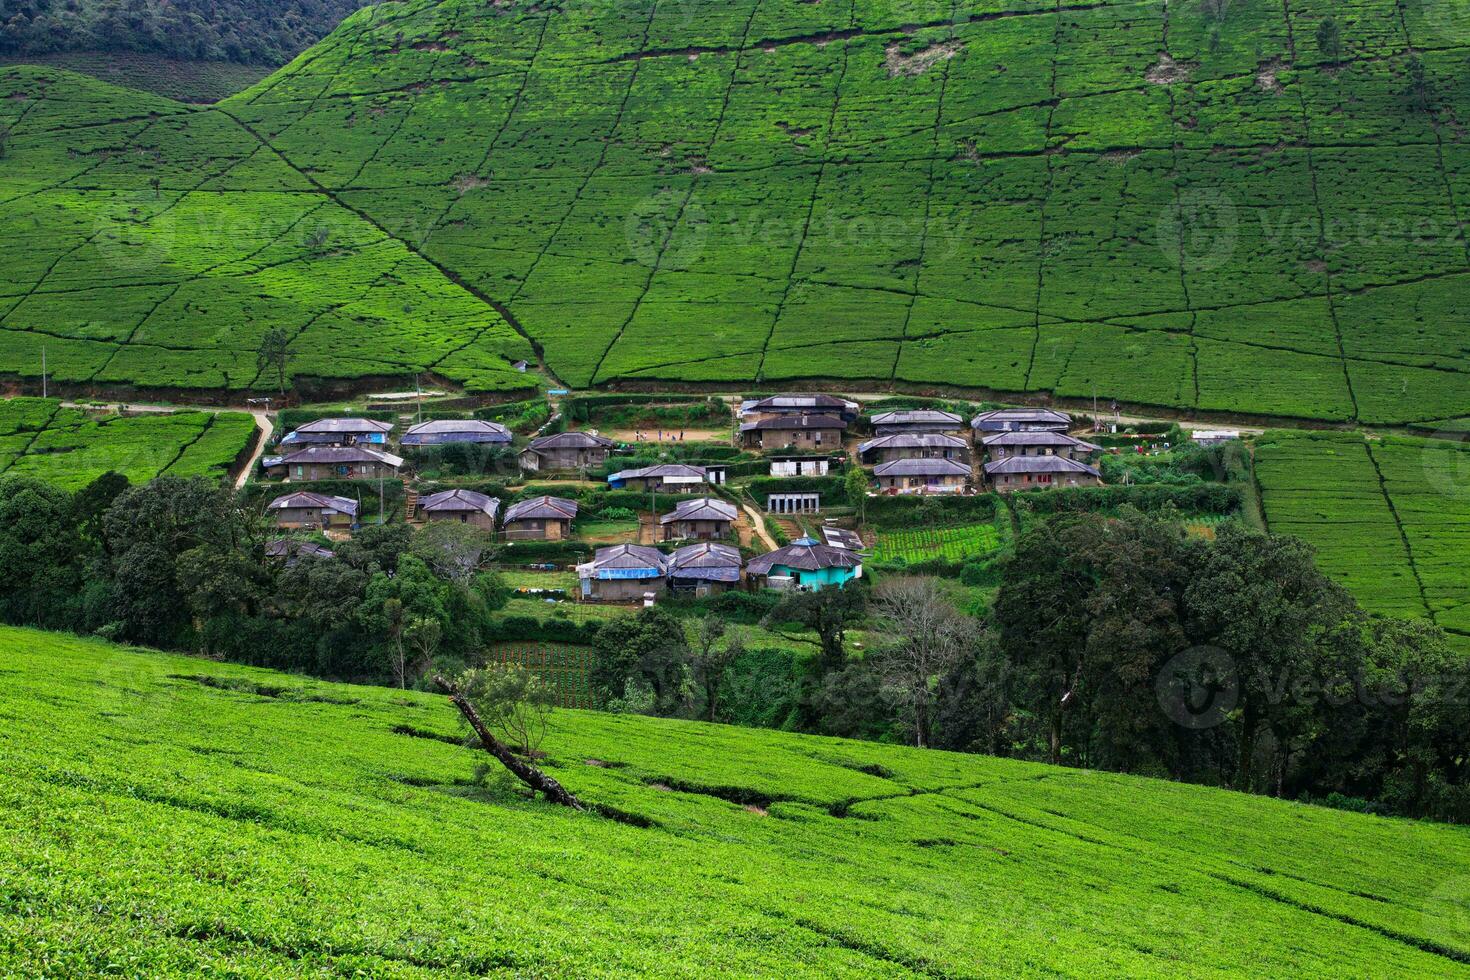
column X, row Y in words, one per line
column 1045, row 478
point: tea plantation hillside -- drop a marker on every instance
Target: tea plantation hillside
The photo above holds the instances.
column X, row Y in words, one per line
column 168, row 816
column 1247, row 206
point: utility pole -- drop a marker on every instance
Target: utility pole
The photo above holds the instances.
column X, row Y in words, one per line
column 382, row 514
column 418, row 396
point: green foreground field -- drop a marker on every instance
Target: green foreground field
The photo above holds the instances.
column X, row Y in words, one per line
column 70, row 448
column 1389, row 517
column 169, row 816
column 1199, row 205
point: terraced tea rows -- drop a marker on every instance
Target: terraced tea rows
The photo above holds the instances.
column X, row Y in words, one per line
column 1195, row 204
column 1390, row 517
column 66, row 447
column 172, row 817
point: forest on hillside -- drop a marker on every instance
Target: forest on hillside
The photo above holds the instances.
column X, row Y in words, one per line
column 245, row 31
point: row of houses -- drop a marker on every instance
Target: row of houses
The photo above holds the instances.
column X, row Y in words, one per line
column 632, row 573
column 543, row 518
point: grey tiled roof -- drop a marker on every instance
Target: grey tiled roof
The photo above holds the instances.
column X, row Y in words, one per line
column 701, row 509
column 341, row 454
column 458, row 499
column 795, row 422
column 1013, row 465
column 1038, row 439
column 305, row 498
column 921, row 467
column 913, row 440
column 708, row 560
column 571, row 440
column 542, row 509
column 919, row 416
column 805, row 555
column 346, row 426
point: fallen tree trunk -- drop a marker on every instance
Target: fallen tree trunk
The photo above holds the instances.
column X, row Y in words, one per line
column 524, row 771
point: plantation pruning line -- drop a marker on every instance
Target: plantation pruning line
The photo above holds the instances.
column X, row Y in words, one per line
column 1434, row 121
column 443, row 270
column 688, row 195
column 524, row 771
column 811, row 207
column 1179, row 217
column 1056, row 55
column 601, row 157
column 908, row 314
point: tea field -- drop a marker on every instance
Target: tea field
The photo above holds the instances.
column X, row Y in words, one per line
column 70, row 448
column 1194, row 204
column 164, row 816
column 1390, row 517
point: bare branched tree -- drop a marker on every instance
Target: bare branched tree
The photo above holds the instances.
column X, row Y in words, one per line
column 922, row 638
column 454, row 551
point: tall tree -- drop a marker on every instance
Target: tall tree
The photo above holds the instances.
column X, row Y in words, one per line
column 274, row 354
column 923, row 638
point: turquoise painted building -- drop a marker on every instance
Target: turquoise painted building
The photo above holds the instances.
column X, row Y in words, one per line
column 806, row 564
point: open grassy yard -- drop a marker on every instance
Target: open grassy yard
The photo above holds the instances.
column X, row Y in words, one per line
column 173, row 817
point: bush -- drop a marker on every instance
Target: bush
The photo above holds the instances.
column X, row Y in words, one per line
column 1200, row 498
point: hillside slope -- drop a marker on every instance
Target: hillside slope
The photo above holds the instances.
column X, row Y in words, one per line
column 171, row 816
column 1197, row 204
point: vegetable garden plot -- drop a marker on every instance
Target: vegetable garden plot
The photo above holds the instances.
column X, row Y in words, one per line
column 946, row 543
column 563, row 667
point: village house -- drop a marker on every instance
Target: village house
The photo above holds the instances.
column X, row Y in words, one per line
column 799, row 404
column 1039, row 472
column 806, row 564
column 801, row 465
column 1003, row 445
column 440, row 431
column 1022, row 420
column 623, row 573
column 793, row 432
column 664, row 478
column 292, row 550
column 886, row 449
column 917, row 421
column 540, row 519
column 566, row 451
column 922, row 476
column 704, row 519
column 312, row 510
column 705, row 568
column 333, row 463
column 465, row 506
column 339, row 432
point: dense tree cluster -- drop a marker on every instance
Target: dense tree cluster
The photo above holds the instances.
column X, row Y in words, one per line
column 178, row 564
column 246, row 31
